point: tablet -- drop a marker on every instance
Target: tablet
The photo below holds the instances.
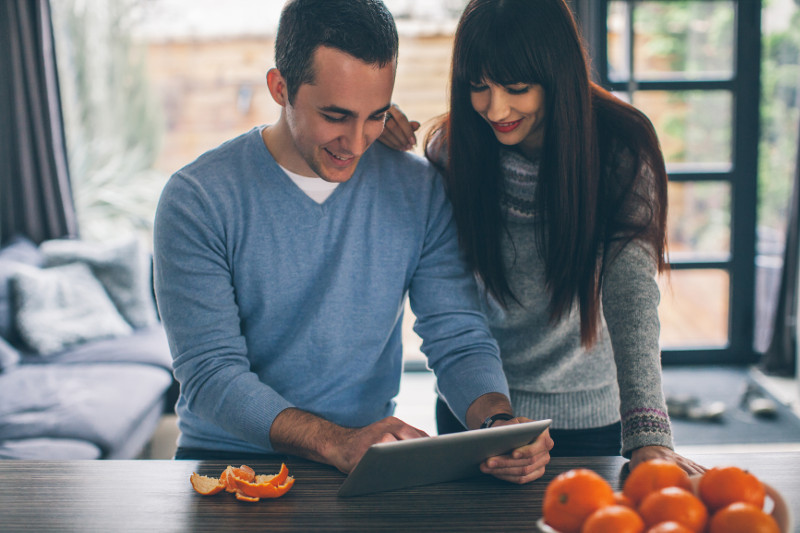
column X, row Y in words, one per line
column 414, row 462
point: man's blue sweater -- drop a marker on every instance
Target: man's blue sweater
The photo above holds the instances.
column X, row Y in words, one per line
column 271, row 300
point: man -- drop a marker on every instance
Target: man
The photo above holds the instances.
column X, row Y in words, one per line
column 283, row 258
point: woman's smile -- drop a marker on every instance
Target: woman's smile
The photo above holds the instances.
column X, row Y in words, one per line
column 506, row 127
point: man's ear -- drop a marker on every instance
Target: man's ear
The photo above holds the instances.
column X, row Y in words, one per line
column 277, row 87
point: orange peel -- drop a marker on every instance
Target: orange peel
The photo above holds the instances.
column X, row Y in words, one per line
column 207, row 486
column 244, row 483
column 264, row 486
column 244, row 498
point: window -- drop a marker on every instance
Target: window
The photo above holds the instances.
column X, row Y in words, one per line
column 148, row 85
column 693, row 68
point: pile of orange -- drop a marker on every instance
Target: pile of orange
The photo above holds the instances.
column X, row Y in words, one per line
column 658, row 497
column 244, row 483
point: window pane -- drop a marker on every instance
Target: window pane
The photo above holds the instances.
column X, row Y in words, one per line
column 699, row 219
column 687, row 40
column 693, row 126
column 780, row 118
column 672, row 40
column 617, row 41
column 694, row 308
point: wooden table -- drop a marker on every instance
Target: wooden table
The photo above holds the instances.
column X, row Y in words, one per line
column 156, row 496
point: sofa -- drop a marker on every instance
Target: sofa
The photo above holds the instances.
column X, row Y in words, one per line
column 85, row 369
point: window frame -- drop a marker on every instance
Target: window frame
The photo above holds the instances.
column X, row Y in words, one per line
column 742, row 176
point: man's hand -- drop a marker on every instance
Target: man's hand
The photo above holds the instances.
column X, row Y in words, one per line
column 398, row 131
column 300, row 433
column 645, row 453
column 523, row 465
column 353, row 443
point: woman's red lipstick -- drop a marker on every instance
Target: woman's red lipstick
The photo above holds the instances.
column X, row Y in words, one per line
column 505, row 127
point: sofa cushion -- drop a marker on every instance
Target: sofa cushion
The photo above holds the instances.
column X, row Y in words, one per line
column 122, row 268
column 102, row 403
column 146, row 346
column 9, row 356
column 63, row 306
column 19, row 251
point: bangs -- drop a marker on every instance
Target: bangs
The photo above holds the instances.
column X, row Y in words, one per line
column 497, row 50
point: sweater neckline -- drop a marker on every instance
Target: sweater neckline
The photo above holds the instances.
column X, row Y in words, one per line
column 274, row 172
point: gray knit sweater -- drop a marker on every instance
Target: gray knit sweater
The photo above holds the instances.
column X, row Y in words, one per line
column 549, row 373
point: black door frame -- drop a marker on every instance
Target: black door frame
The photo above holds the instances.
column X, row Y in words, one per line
column 742, row 175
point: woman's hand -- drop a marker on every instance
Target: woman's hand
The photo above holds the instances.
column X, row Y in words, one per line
column 645, row 453
column 524, row 464
column 398, row 131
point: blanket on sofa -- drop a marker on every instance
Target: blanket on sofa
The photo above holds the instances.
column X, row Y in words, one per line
column 97, row 394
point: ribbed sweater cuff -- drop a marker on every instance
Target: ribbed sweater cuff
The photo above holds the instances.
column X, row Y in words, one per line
column 645, row 427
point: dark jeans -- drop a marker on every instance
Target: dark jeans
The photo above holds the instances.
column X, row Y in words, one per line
column 606, row 440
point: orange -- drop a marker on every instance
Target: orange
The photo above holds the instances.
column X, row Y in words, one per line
column 621, row 499
column 674, row 503
column 613, row 519
column 652, row 475
column 724, row 485
column 742, row 517
column 572, row 496
column 207, row 486
column 669, row 527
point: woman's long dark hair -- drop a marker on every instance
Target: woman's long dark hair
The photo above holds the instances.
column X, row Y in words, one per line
column 595, row 147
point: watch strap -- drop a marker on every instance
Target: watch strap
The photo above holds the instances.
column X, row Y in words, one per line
column 490, row 420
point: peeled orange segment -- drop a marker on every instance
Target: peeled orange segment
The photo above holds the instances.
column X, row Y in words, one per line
column 226, row 479
column 244, row 473
column 207, row 486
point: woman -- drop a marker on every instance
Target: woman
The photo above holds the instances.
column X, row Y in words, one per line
column 559, row 193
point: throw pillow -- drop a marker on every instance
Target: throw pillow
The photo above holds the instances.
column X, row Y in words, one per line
column 62, row 306
column 18, row 251
column 8, row 356
column 122, row 268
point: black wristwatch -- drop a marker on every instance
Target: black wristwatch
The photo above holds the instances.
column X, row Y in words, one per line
column 489, row 422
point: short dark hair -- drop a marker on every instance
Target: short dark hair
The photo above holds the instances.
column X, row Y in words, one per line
column 364, row 29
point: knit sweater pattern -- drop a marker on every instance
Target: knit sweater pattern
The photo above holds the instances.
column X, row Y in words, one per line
column 549, row 373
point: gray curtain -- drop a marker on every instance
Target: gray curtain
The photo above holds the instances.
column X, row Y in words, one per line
column 35, row 197
column 781, row 356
